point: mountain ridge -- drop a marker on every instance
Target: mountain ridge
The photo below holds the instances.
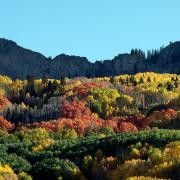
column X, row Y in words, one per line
column 18, row 62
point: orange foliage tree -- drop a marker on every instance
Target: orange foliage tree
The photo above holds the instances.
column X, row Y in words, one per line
column 4, row 102
column 74, row 109
column 5, row 125
column 74, row 115
column 160, row 118
column 83, row 89
column 139, row 121
column 127, row 127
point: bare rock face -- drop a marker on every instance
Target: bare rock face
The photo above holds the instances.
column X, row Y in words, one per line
column 18, row 62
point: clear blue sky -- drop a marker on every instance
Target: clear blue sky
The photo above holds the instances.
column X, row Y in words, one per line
column 97, row 29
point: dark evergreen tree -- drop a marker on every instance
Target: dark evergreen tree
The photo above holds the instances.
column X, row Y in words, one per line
column 63, row 81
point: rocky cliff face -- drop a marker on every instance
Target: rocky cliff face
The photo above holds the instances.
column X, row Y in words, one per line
column 18, row 62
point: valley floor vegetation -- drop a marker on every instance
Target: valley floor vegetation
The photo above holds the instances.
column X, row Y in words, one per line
column 124, row 127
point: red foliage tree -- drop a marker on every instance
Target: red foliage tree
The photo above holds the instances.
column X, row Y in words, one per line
column 74, row 109
column 76, row 115
column 82, row 90
column 82, row 125
column 139, row 120
column 73, row 115
column 111, row 124
column 127, row 127
column 5, row 125
column 4, row 102
column 161, row 117
column 163, row 114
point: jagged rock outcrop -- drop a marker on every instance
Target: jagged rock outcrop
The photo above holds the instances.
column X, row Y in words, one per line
column 18, row 62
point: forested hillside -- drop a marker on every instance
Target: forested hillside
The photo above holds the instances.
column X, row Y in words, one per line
column 18, row 62
column 118, row 127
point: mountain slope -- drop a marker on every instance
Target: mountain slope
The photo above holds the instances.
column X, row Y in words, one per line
column 18, row 62
column 167, row 61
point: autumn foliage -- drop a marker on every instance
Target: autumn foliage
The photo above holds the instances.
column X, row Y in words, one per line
column 5, row 125
column 137, row 122
column 127, row 127
column 76, row 115
column 97, row 124
column 4, row 102
column 74, row 109
column 163, row 114
column 83, row 89
column 161, row 117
